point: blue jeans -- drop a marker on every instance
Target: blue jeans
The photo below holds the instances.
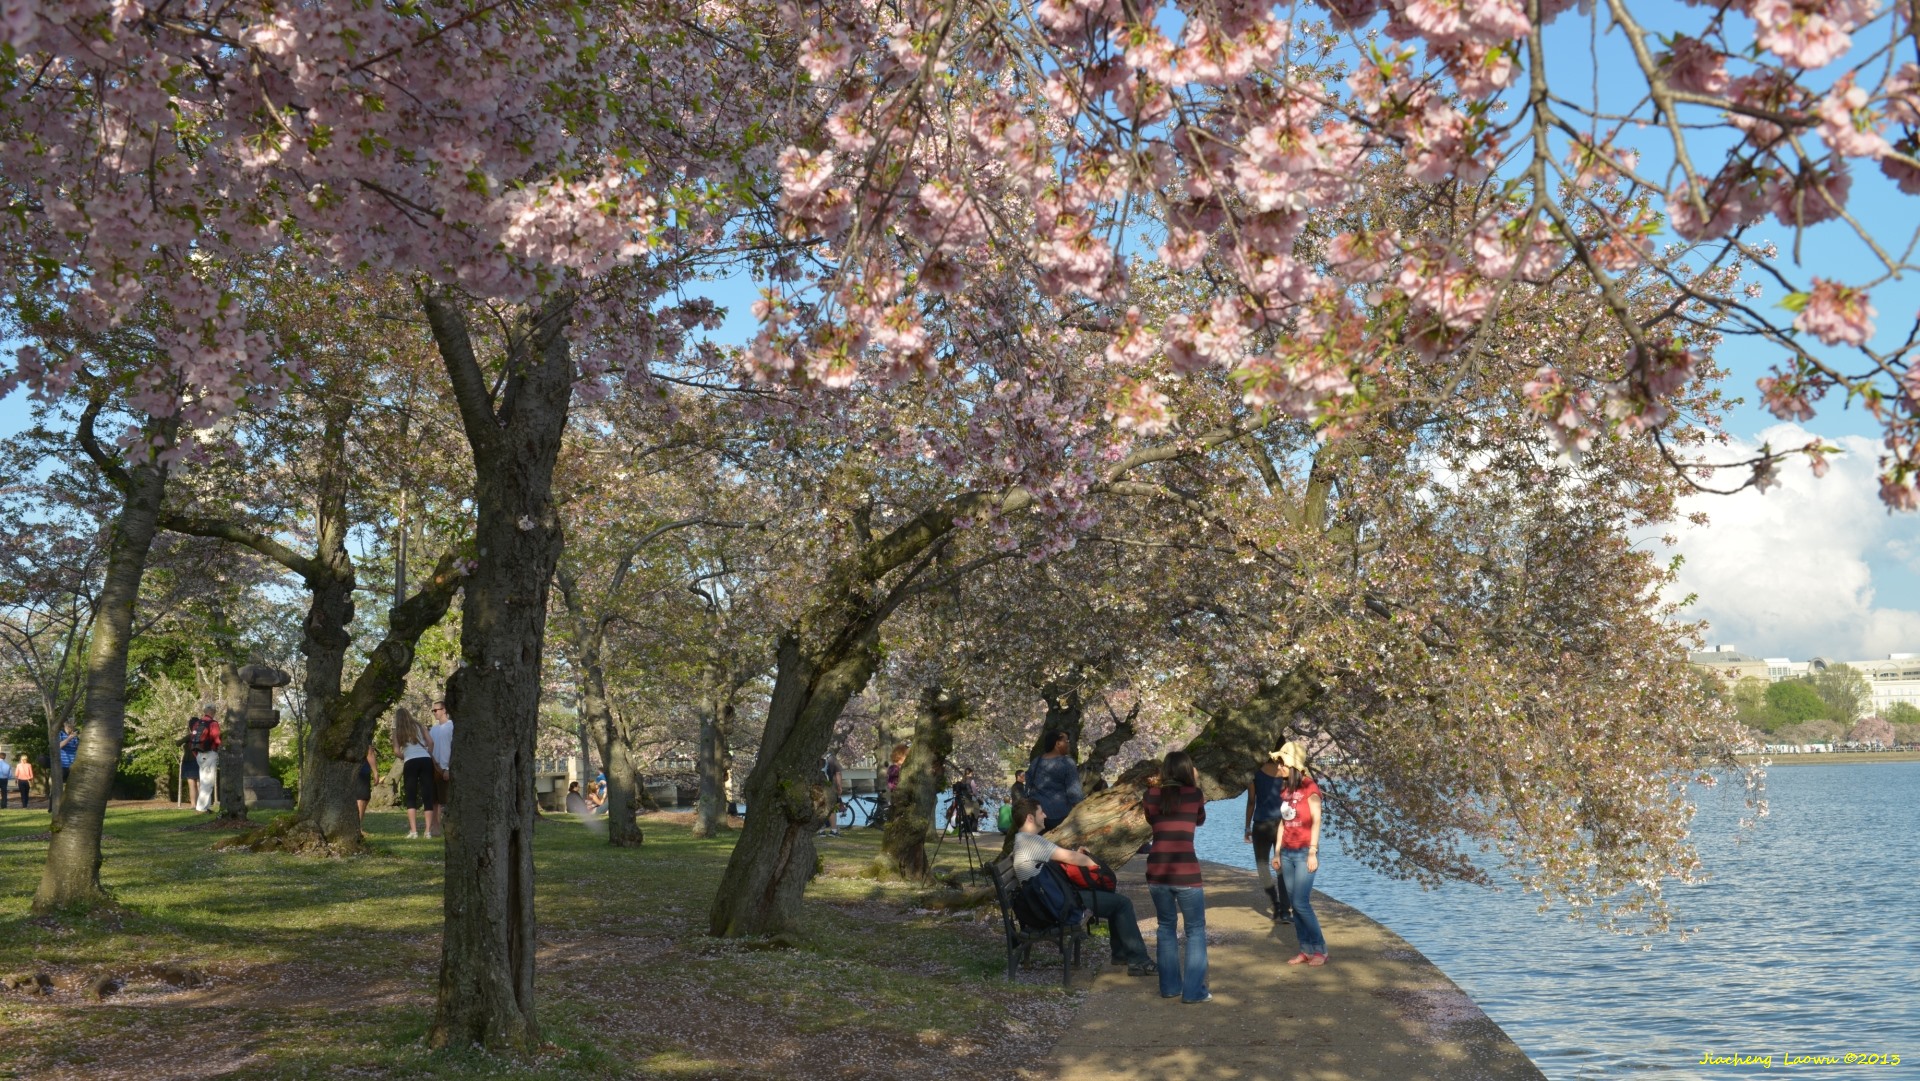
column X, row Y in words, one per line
column 1299, row 880
column 1189, row 905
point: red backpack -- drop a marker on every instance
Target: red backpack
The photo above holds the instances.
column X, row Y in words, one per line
column 1097, row 877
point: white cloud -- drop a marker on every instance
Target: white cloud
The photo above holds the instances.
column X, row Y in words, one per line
column 1810, row 568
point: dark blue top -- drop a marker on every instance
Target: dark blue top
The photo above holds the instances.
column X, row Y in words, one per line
column 69, row 749
column 1055, row 783
column 1266, row 797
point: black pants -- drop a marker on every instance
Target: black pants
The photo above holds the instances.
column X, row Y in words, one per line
column 416, row 782
column 1265, row 836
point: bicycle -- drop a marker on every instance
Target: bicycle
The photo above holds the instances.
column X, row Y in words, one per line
column 866, row 810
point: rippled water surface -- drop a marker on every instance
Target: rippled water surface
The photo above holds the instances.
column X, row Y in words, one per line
column 1807, row 939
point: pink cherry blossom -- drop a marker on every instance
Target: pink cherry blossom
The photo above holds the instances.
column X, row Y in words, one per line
column 1836, row 314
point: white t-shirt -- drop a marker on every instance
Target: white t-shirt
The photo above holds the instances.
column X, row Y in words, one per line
column 442, row 736
column 412, row 751
column 1031, row 852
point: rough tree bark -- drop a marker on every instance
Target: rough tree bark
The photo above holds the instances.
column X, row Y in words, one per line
column 1065, row 713
column 325, row 819
column 1111, row 824
column 903, row 849
column 1093, row 768
column 230, row 785
column 72, row 875
column 487, row 945
column 715, row 759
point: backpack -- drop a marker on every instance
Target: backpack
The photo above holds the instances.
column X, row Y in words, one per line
column 1046, row 901
column 197, row 740
column 1097, row 877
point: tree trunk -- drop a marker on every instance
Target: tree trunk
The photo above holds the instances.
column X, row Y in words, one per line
column 1093, row 768
column 715, row 759
column 623, row 830
column 72, row 875
column 1065, row 713
column 487, row 946
column 760, row 892
column 913, row 815
column 1111, row 824
column 231, row 779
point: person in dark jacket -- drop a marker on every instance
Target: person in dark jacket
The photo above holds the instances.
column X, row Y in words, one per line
column 1053, row 779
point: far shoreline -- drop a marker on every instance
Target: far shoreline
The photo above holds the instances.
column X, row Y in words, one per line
column 1829, row 758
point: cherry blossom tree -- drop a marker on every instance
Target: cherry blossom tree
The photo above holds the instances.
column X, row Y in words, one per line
column 1074, row 135
column 306, row 484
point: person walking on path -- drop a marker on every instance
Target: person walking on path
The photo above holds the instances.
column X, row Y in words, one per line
column 6, row 783
column 1175, row 808
column 1263, row 832
column 413, row 745
column 1299, row 857
column 1031, row 852
column 203, row 743
column 23, row 776
column 1054, row 780
column 440, row 739
column 69, row 750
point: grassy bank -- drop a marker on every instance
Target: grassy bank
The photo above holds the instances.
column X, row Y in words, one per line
column 1834, row 758
column 269, row 966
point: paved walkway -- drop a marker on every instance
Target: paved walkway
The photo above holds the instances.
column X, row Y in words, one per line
column 1377, row 1009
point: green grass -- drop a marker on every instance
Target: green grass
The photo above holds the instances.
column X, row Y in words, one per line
column 323, row 968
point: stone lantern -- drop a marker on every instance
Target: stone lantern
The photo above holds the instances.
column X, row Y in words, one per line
column 264, row 790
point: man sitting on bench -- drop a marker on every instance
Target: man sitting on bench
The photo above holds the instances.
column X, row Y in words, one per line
column 1031, row 852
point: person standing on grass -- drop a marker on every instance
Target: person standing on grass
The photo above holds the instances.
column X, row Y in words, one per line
column 189, row 772
column 830, row 768
column 23, row 776
column 1299, row 857
column 203, row 743
column 69, row 750
column 1175, row 808
column 6, row 782
column 413, row 745
column 363, row 784
column 440, row 739
column 1263, row 831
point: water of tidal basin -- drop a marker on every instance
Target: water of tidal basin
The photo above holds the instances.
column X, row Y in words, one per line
column 1807, row 939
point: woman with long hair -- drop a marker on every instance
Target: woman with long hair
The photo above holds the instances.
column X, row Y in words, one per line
column 414, row 747
column 1175, row 807
column 1299, row 857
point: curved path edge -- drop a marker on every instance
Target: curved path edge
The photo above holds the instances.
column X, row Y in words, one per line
column 1378, row 1009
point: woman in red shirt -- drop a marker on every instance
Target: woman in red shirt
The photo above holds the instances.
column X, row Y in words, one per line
column 1175, row 808
column 1299, row 855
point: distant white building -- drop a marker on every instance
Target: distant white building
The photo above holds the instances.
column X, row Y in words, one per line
column 1894, row 678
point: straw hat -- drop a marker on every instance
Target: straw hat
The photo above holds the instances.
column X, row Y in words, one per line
column 1290, row 755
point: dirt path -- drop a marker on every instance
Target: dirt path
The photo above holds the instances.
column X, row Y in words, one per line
column 1378, row 1009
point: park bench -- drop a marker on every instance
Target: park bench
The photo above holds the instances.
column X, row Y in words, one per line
column 1069, row 938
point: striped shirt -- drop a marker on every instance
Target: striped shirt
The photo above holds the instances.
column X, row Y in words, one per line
column 1171, row 861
